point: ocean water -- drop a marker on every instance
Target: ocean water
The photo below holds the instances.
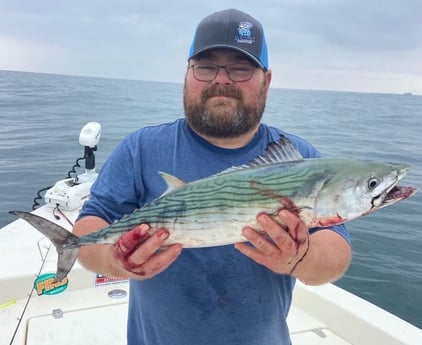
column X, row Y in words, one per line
column 41, row 116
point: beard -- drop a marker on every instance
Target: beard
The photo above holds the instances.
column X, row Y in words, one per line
column 228, row 117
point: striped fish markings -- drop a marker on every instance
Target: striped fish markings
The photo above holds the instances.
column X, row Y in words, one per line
column 212, row 211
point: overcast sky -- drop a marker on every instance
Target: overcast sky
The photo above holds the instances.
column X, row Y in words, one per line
column 347, row 45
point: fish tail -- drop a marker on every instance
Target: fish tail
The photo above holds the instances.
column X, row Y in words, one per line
column 66, row 243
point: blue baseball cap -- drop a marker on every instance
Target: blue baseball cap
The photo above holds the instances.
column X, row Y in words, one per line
column 231, row 29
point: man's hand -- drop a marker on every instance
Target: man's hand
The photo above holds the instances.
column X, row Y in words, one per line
column 283, row 246
column 142, row 255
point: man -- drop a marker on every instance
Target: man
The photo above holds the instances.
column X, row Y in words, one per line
column 237, row 294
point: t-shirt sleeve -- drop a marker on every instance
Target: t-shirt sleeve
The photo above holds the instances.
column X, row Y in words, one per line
column 114, row 192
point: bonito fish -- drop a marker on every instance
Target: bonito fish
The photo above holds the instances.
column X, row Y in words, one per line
column 212, row 211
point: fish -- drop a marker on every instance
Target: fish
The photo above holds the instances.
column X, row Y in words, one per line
column 212, row 211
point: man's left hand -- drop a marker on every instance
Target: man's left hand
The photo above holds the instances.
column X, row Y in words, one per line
column 282, row 247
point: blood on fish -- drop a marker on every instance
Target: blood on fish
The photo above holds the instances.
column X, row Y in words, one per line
column 328, row 221
column 289, row 205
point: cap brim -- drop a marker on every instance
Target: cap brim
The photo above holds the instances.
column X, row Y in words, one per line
column 216, row 46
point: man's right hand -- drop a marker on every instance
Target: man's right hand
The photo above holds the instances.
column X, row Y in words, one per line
column 137, row 254
column 142, row 255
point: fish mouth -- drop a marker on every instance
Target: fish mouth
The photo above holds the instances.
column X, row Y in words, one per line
column 393, row 195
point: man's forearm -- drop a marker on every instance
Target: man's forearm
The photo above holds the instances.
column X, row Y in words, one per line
column 137, row 254
column 328, row 257
column 94, row 257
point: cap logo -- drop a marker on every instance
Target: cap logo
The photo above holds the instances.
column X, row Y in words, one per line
column 244, row 33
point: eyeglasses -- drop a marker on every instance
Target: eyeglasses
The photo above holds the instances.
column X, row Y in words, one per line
column 236, row 72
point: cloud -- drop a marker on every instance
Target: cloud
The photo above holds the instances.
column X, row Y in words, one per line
column 349, row 45
column 16, row 53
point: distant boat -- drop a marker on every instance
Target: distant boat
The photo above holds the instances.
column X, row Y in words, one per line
column 407, row 94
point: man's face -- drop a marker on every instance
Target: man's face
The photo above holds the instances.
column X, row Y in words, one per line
column 222, row 108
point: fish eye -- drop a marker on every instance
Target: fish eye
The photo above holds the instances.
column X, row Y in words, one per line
column 373, row 183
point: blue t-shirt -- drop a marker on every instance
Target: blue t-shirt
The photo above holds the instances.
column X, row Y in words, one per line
column 209, row 295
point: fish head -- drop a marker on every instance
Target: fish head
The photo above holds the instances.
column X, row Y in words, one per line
column 358, row 188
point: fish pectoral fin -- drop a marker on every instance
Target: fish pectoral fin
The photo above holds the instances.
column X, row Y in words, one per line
column 173, row 182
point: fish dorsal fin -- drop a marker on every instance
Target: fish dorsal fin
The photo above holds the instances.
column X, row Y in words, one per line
column 278, row 151
column 173, row 182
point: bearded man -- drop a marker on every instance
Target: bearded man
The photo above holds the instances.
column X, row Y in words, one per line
column 233, row 294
